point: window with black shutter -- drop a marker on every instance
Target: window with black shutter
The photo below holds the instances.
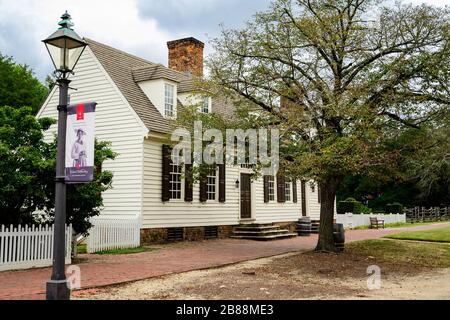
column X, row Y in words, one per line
column 266, row 189
column 294, row 191
column 188, row 183
column 269, row 189
column 281, row 189
column 222, row 184
column 165, row 188
column 203, row 187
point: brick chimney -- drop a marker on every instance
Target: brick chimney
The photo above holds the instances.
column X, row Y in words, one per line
column 186, row 55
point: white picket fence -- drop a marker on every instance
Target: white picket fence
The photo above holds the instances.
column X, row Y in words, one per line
column 25, row 247
column 110, row 234
column 350, row 220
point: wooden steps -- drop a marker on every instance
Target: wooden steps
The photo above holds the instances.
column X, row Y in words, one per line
column 261, row 232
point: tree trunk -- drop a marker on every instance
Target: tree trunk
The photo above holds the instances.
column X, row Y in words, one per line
column 327, row 196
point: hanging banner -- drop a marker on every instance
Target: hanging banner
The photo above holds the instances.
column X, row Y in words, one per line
column 80, row 140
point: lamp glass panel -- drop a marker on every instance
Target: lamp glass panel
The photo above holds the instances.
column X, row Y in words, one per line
column 64, row 59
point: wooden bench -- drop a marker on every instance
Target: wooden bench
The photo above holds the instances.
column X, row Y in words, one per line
column 376, row 223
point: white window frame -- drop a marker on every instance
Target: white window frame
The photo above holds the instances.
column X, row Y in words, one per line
column 178, row 172
column 214, row 185
column 271, row 188
column 288, row 191
column 169, row 100
column 206, row 102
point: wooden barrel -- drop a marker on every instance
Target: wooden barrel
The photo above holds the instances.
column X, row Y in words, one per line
column 304, row 227
column 339, row 236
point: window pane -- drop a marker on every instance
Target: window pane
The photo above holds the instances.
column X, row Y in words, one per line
column 175, row 181
column 271, row 188
column 211, row 185
column 205, row 105
column 168, row 94
column 288, row 191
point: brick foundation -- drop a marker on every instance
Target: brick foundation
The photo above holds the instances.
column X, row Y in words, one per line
column 225, row 231
column 159, row 235
column 152, row 236
column 193, row 234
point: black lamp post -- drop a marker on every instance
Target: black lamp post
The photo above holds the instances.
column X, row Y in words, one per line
column 65, row 48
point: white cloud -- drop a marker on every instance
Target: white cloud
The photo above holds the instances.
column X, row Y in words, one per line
column 25, row 23
column 433, row 2
column 141, row 27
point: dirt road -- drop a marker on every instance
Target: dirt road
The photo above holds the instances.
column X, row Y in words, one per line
column 289, row 276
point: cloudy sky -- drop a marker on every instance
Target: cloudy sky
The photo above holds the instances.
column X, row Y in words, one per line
column 141, row 27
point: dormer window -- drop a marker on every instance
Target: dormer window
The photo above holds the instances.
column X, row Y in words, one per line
column 168, row 99
column 205, row 107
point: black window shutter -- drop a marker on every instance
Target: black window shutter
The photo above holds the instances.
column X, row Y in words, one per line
column 203, row 187
column 319, row 199
column 281, row 189
column 294, row 191
column 303, row 194
column 266, row 189
column 165, row 188
column 222, row 185
column 188, row 183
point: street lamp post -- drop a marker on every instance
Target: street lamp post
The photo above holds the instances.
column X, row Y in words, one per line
column 65, row 48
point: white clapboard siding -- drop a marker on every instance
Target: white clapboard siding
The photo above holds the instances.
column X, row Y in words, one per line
column 179, row 213
column 117, row 122
column 350, row 220
column 25, row 247
column 312, row 201
column 110, row 234
column 275, row 211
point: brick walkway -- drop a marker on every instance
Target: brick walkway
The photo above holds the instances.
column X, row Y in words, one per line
column 113, row 269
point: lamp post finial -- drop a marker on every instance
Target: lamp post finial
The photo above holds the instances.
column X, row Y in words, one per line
column 66, row 21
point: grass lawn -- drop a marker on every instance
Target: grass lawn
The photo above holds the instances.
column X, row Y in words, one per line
column 435, row 255
column 82, row 249
column 435, row 235
column 402, row 225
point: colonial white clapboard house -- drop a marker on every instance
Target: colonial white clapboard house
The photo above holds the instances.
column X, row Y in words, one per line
column 135, row 100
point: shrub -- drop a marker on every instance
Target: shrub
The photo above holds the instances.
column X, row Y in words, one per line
column 364, row 209
column 345, row 206
column 351, row 205
column 394, row 208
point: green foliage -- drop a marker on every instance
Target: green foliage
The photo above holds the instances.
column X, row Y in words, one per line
column 394, row 208
column 353, row 206
column 26, row 165
column 345, row 91
column 27, row 170
column 434, row 235
column 430, row 255
column 19, row 87
column 345, row 207
column 84, row 201
column 423, row 177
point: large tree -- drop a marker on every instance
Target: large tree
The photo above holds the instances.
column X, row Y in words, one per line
column 19, row 87
column 350, row 75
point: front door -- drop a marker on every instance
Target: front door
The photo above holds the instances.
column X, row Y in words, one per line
column 246, row 196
